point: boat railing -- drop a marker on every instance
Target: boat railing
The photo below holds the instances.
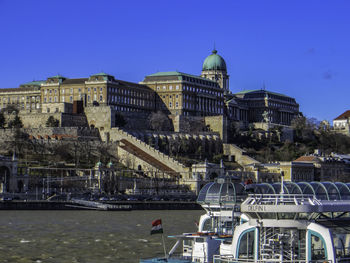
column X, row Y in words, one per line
column 231, row 259
column 285, row 199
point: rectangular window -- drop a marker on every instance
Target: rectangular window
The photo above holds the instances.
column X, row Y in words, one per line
column 177, row 87
column 89, row 98
column 164, row 87
column 101, row 98
column 170, row 87
column 170, row 104
column 62, row 98
column 71, row 99
column 71, row 91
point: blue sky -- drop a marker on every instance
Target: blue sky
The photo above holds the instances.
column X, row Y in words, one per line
column 298, row 48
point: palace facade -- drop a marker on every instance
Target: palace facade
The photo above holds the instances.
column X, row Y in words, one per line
column 175, row 93
column 183, row 94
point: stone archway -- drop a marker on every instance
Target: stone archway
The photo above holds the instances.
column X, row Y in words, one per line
column 5, row 175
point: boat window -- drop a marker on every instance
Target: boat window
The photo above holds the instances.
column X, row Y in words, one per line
column 318, row 248
column 199, row 240
column 207, row 225
column 341, row 241
column 286, row 215
column 187, row 242
column 246, row 245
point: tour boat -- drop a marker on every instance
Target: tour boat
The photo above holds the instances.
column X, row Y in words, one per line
column 295, row 227
column 280, row 222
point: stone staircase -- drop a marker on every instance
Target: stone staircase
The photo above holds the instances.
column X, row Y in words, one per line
column 145, row 155
column 239, row 155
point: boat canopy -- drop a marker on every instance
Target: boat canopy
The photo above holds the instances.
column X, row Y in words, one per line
column 226, row 191
column 222, row 191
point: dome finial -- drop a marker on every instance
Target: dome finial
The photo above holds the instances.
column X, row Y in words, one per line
column 214, row 50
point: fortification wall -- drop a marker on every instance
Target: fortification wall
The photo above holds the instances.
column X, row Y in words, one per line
column 38, row 120
column 100, row 117
column 218, row 124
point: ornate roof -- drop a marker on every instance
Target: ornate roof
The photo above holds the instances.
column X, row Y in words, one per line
column 214, row 62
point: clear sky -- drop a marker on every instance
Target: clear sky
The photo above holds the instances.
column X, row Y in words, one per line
column 298, row 48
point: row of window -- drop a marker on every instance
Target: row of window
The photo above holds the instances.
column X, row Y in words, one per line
column 128, row 100
column 71, row 90
column 192, row 89
column 199, row 81
column 133, row 93
column 177, row 87
column 27, row 106
column 17, row 99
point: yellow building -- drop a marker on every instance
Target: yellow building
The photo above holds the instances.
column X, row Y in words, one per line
column 26, row 98
column 99, row 89
column 184, row 94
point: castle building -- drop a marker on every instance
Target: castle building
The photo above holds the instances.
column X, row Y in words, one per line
column 175, row 93
column 184, row 94
column 25, row 98
column 99, row 89
column 269, row 107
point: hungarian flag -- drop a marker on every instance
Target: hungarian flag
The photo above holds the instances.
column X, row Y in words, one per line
column 157, row 227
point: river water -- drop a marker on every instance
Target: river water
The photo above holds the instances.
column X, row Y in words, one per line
column 88, row 236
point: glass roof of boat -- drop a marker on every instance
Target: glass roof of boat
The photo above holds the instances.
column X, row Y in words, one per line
column 224, row 190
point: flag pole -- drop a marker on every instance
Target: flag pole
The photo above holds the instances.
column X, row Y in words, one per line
column 165, row 255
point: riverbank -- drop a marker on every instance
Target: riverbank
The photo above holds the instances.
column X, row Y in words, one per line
column 66, row 205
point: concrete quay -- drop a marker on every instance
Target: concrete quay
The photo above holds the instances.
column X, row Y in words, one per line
column 67, row 205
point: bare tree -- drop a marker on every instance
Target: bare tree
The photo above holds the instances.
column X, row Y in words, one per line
column 158, row 121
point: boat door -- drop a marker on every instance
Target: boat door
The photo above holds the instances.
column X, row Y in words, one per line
column 244, row 245
column 319, row 243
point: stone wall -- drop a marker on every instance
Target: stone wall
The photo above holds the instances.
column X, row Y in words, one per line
column 72, row 131
column 38, row 120
column 100, row 117
column 233, row 151
column 218, row 124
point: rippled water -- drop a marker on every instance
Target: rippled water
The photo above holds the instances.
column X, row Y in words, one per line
column 87, row 236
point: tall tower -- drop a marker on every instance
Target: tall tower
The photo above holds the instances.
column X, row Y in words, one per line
column 214, row 68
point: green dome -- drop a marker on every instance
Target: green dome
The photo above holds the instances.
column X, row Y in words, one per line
column 214, row 62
